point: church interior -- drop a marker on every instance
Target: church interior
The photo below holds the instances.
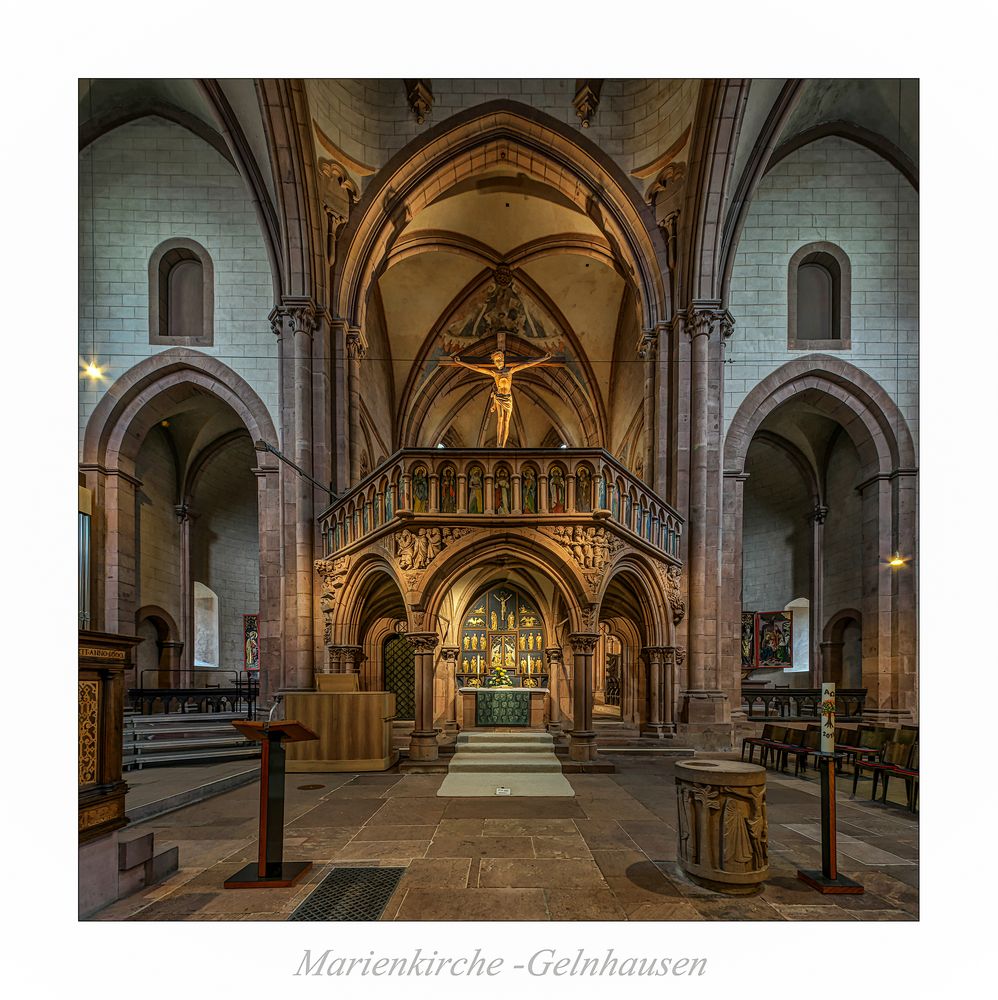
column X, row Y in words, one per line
column 527, row 441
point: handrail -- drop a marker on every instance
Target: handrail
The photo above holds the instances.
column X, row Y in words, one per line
column 567, row 486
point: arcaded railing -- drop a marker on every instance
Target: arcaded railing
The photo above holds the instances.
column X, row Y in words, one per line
column 543, row 485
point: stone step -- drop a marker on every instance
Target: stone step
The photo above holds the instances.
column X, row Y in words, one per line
column 504, row 747
column 505, row 762
column 541, row 739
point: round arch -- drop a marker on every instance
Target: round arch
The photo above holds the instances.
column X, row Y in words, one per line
column 887, row 484
column 500, row 134
column 144, row 395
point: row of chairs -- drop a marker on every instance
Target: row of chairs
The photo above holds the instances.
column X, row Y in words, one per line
column 883, row 751
column 899, row 760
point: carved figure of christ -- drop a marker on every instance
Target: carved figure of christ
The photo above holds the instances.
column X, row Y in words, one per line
column 502, row 392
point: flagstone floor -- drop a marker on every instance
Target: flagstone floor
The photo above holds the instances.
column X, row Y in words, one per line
column 607, row 854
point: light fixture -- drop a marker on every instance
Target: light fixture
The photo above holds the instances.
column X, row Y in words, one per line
column 90, row 368
column 563, row 445
column 896, row 560
column 440, row 444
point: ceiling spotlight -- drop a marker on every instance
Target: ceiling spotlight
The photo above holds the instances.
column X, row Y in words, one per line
column 92, row 370
column 896, row 560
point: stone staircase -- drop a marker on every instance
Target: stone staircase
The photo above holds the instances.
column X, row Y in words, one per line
column 178, row 738
column 497, row 763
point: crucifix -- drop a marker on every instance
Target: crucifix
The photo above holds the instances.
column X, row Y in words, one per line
column 502, row 393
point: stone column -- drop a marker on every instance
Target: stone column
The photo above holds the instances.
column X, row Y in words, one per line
column 434, row 500
column 583, row 745
column 554, row 663
column 648, row 351
column 704, row 703
column 356, row 353
column 450, row 656
column 185, row 519
column 570, row 492
column 654, row 656
column 816, row 610
column 423, row 742
column 490, row 496
column 462, row 493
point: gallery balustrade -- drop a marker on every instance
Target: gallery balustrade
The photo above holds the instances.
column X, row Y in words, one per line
column 559, row 486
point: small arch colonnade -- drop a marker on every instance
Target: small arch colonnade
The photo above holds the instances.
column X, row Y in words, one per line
column 491, row 483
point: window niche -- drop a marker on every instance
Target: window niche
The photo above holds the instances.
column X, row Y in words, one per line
column 181, row 295
column 819, row 307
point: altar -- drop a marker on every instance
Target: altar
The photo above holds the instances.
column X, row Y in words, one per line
column 503, row 706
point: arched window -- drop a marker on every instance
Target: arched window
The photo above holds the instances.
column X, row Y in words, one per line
column 205, row 626
column 819, row 305
column 181, row 295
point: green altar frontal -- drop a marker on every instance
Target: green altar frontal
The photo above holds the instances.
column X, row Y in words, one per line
column 502, row 707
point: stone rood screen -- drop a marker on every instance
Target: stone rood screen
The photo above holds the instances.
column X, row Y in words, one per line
column 584, row 494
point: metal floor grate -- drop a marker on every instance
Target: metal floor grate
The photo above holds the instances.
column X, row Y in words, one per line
column 350, row 894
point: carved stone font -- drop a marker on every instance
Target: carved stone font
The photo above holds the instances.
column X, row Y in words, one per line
column 722, row 828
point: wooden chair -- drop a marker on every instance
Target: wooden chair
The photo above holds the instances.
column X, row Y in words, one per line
column 897, row 761
column 810, row 743
column 751, row 742
column 909, row 772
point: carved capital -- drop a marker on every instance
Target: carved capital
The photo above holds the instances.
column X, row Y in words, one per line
column 355, row 346
column 819, row 513
column 583, row 642
column 450, row 654
column 648, row 346
column 655, row 655
column 702, row 320
column 184, row 512
column 294, row 317
column 554, row 655
column 586, row 100
column 420, row 98
column 423, row 642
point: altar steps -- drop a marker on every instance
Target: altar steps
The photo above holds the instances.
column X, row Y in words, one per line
column 516, row 764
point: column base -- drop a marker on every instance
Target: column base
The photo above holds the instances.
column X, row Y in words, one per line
column 704, row 707
column 423, row 746
column 451, row 727
column 582, row 746
column 888, row 715
column 658, row 730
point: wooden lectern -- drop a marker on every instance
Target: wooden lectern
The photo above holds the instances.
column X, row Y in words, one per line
column 271, row 870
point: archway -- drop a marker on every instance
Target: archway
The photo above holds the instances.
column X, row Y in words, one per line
column 180, row 419
column 835, row 393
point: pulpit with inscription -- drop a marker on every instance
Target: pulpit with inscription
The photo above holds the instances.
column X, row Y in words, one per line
column 104, row 658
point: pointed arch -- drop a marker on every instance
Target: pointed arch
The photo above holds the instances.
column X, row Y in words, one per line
column 500, row 134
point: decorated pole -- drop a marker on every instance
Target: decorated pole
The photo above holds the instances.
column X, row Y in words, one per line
column 828, row 880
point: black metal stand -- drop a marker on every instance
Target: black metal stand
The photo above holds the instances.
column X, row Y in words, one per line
column 270, row 870
column 828, row 880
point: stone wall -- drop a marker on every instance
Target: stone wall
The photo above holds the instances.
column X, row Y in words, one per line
column 151, row 181
column 636, row 121
column 831, row 190
column 158, row 550
column 842, row 537
column 225, row 551
column 776, row 533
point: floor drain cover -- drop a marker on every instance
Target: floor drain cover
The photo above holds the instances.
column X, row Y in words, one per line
column 309, row 788
column 350, row 894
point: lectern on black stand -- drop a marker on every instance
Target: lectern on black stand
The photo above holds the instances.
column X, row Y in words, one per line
column 271, row 870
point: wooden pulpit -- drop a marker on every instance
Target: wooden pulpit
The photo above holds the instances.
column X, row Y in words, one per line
column 271, row 870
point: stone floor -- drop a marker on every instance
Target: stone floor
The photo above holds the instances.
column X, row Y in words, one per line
column 607, row 854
